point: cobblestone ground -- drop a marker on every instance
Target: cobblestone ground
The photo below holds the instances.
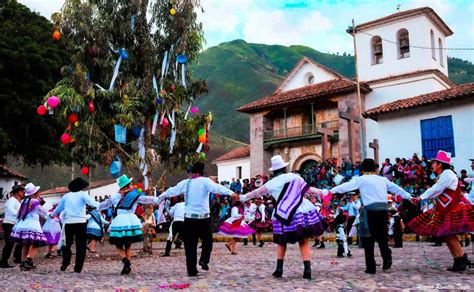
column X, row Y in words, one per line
column 417, row 265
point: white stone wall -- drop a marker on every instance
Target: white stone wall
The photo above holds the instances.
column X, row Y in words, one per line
column 7, row 184
column 227, row 170
column 400, row 133
column 420, row 59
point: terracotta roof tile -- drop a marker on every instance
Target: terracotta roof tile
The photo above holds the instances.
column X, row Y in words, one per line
column 454, row 93
column 430, row 13
column 63, row 190
column 7, row 171
column 237, row 153
column 413, row 74
column 303, row 94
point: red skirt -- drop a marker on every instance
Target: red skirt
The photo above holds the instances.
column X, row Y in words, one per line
column 452, row 214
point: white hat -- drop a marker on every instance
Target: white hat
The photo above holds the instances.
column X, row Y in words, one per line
column 278, row 163
column 31, row 189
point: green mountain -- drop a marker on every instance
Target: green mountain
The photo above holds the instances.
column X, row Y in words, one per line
column 238, row 72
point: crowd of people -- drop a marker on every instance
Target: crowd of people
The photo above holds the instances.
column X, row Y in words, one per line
column 348, row 199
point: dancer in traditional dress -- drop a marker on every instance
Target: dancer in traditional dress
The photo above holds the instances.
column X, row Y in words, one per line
column 295, row 218
column 12, row 207
column 452, row 214
column 176, row 227
column 73, row 205
column 28, row 229
column 261, row 222
column 96, row 226
column 197, row 221
column 52, row 231
column 373, row 221
column 250, row 208
column 235, row 226
column 126, row 228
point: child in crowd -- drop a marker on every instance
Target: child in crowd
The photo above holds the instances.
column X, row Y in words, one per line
column 341, row 238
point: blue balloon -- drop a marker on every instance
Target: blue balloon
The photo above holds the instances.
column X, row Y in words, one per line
column 123, row 54
column 181, row 59
column 136, row 131
column 158, row 101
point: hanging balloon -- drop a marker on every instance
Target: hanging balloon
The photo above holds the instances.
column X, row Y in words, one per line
column 172, row 87
column 72, row 118
column 41, row 110
column 91, row 107
column 56, row 35
column 136, row 131
column 172, row 11
column 202, row 155
column 201, row 132
column 194, row 110
column 123, row 54
column 76, row 124
column 85, row 170
column 53, row 101
column 66, row 138
column 181, row 59
column 202, row 139
column 165, row 123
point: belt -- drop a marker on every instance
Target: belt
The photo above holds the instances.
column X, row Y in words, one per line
column 196, row 216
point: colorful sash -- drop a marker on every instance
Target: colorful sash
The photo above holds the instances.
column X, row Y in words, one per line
column 97, row 218
column 27, row 206
column 128, row 200
column 290, row 199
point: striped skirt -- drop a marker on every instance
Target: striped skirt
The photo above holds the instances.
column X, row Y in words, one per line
column 302, row 226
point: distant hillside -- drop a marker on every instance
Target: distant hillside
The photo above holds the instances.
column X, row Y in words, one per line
column 238, row 72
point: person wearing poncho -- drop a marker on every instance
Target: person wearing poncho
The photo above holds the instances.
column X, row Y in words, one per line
column 126, row 228
column 452, row 213
column 373, row 225
column 295, row 219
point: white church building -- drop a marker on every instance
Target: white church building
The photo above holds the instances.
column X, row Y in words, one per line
column 408, row 102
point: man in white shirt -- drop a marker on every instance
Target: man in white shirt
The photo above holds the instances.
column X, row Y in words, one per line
column 374, row 216
column 197, row 221
column 176, row 227
column 12, row 206
column 75, row 220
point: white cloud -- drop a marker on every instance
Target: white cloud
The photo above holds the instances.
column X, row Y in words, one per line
column 44, row 7
column 223, row 16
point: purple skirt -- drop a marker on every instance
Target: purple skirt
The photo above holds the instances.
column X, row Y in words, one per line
column 302, row 226
column 241, row 231
column 52, row 237
column 29, row 237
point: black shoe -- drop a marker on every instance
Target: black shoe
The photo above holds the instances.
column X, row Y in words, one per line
column 456, row 265
column 63, row 268
column 126, row 266
column 279, row 269
column 6, row 266
column 307, row 270
column 370, row 271
column 204, row 266
column 437, row 244
column 165, row 255
column 461, row 264
column 261, row 243
column 386, row 265
column 349, row 254
column 24, row 267
column 193, row 274
column 28, row 264
column 245, row 242
column 321, row 245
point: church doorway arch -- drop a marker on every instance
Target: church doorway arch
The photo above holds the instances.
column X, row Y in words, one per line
column 305, row 161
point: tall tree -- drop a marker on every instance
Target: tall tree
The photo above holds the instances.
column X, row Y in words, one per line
column 29, row 66
column 128, row 71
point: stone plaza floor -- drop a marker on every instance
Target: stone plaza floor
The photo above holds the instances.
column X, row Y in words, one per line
column 417, row 265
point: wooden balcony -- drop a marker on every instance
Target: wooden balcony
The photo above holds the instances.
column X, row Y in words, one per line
column 296, row 134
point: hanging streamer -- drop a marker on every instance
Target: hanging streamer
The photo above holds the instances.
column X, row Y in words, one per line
column 155, row 122
column 199, row 149
column 163, row 68
column 132, row 23
column 173, row 130
column 123, row 56
column 183, row 75
column 189, row 108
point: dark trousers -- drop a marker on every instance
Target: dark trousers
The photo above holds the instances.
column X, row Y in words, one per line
column 177, row 228
column 378, row 228
column 350, row 221
column 75, row 232
column 193, row 229
column 8, row 247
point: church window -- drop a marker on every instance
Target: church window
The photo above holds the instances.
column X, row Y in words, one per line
column 403, row 43
column 238, row 172
column 433, row 49
column 437, row 134
column 377, row 50
column 440, row 48
column 309, row 78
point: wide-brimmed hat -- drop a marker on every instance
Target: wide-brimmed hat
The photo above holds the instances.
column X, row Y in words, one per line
column 278, row 163
column 368, row 165
column 443, row 157
column 16, row 189
column 31, row 189
column 77, row 185
column 123, row 181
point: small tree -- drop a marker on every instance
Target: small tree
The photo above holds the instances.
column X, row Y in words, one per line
column 128, row 71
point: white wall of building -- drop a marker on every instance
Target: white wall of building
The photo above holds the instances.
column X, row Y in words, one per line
column 7, row 183
column 400, row 133
column 227, row 170
column 300, row 79
column 418, row 28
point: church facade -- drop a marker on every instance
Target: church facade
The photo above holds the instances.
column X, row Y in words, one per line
column 407, row 101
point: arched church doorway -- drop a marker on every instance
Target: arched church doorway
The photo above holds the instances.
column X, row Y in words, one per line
column 305, row 161
column 310, row 163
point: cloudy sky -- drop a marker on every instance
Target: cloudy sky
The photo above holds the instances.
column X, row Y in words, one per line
column 319, row 24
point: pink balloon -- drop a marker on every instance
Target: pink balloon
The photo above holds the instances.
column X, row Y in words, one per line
column 194, row 110
column 165, row 122
column 53, row 101
column 66, row 138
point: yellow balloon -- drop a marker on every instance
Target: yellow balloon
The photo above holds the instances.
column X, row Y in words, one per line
column 76, row 124
column 172, row 11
